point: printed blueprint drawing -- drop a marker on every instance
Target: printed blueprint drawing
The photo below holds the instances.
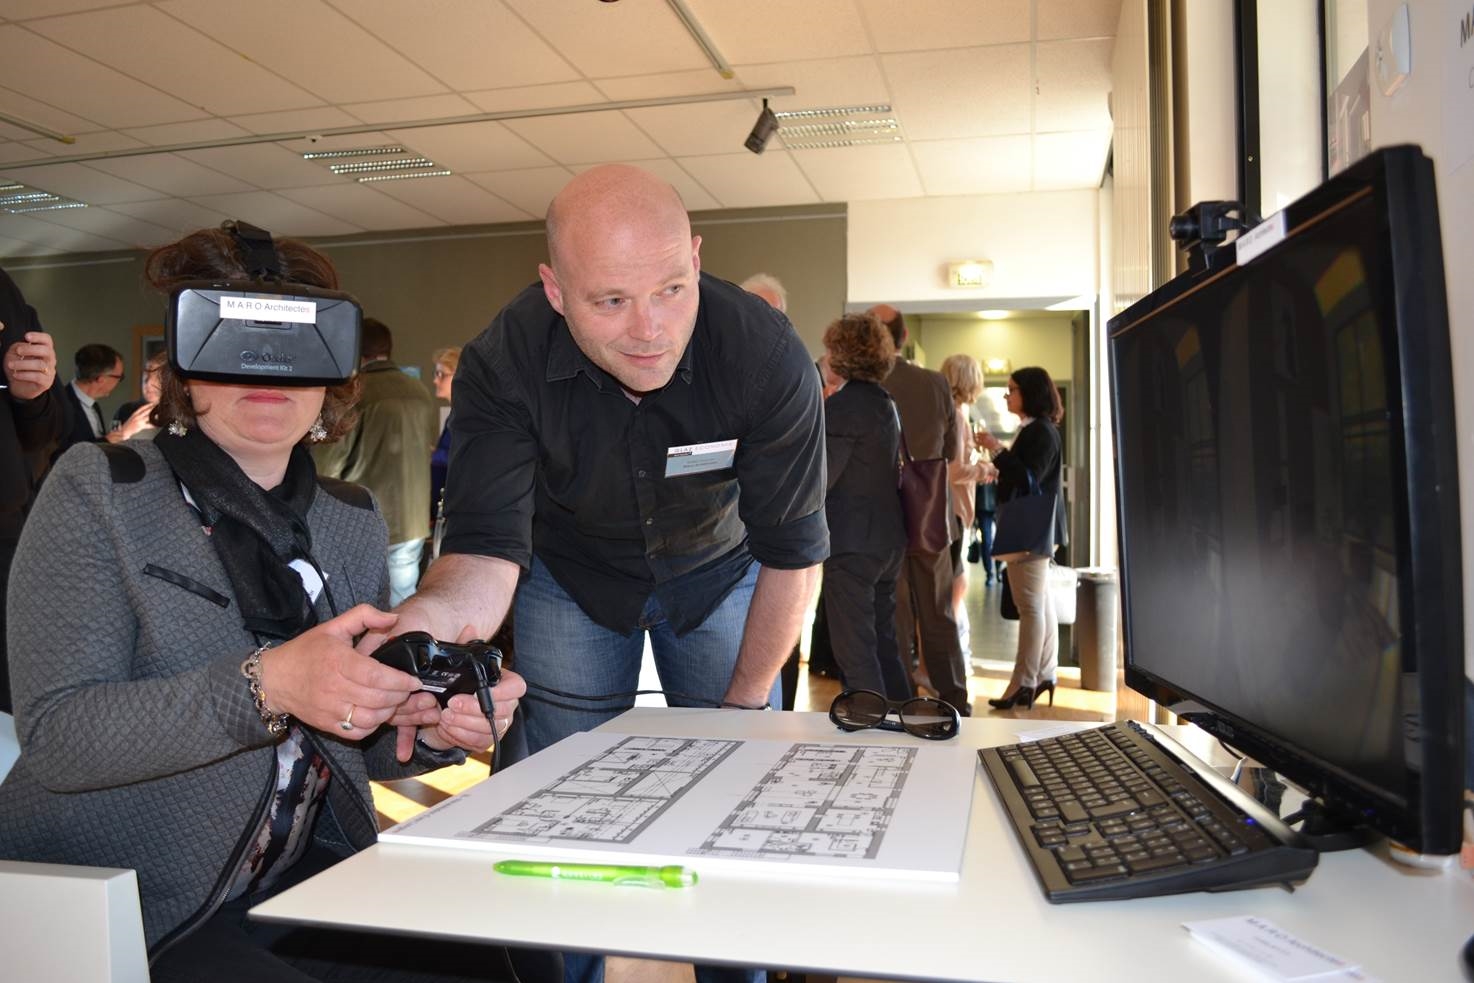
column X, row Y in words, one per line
column 819, row 800
column 891, row 807
column 613, row 796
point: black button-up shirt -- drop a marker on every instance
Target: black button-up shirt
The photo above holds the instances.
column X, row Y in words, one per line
column 550, row 457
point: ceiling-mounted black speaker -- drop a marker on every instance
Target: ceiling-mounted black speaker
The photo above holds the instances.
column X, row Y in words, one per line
column 762, row 130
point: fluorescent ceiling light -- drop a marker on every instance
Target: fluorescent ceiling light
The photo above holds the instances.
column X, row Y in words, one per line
column 823, row 112
column 356, row 152
column 402, row 177
column 826, row 127
column 367, row 166
column 18, row 199
column 993, row 315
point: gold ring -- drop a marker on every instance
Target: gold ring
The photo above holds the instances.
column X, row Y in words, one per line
column 347, row 722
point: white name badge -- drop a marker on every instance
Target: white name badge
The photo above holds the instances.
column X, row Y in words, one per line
column 269, row 309
column 697, row 458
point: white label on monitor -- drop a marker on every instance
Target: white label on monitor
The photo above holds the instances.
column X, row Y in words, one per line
column 269, row 309
column 1261, row 237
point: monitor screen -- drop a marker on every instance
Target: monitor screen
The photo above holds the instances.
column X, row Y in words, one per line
column 1280, row 426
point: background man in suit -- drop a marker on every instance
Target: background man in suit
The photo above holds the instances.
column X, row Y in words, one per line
column 31, row 417
column 99, row 370
column 924, row 593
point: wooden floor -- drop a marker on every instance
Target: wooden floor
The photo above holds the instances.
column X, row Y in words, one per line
column 992, row 642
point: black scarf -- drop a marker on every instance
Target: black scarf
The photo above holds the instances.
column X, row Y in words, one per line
column 256, row 533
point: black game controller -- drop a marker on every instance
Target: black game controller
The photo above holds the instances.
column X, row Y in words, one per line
column 444, row 668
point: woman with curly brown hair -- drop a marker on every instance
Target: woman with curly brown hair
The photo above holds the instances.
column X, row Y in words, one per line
column 867, row 532
column 187, row 693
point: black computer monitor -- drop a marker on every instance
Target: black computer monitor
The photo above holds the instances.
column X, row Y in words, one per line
column 1289, row 503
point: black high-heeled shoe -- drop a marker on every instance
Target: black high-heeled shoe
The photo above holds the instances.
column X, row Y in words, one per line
column 1039, row 691
column 1023, row 697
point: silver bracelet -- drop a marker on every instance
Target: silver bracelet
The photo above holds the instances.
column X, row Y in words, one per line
column 276, row 723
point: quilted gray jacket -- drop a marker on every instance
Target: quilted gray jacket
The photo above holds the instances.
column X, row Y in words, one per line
column 140, row 746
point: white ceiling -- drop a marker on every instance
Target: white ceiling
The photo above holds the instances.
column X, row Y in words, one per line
column 992, row 96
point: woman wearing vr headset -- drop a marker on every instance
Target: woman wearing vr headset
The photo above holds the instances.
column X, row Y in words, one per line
column 187, row 695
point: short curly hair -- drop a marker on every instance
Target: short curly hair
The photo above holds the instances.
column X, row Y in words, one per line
column 860, row 348
column 212, row 254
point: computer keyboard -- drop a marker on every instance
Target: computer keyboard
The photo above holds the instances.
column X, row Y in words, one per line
column 1108, row 813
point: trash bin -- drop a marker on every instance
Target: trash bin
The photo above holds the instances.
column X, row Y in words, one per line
column 1096, row 612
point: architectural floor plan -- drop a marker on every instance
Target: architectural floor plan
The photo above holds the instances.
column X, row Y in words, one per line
column 890, row 808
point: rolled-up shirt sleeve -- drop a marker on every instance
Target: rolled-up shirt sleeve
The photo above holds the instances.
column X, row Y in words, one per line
column 489, row 488
column 780, row 465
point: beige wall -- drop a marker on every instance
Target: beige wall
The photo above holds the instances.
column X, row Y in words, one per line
column 1043, row 340
column 440, row 288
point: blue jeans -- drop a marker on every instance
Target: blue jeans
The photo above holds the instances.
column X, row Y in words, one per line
column 558, row 646
column 404, row 569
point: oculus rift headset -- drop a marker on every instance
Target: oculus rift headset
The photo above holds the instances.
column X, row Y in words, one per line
column 262, row 331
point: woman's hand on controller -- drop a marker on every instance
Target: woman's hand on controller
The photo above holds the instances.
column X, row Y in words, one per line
column 320, row 680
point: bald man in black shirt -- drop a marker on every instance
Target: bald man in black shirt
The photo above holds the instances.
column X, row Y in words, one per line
column 644, row 441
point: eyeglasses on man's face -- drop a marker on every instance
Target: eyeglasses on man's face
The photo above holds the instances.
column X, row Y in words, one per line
column 921, row 716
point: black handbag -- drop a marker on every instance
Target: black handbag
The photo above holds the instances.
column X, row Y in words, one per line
column 1026, row 524
column 924, row 503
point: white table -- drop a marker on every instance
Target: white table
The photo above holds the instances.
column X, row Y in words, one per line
column 994, row 924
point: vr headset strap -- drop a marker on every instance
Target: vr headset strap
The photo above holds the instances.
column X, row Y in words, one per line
column 257, row 249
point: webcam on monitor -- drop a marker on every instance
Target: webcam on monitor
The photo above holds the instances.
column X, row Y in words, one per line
column 262, row 331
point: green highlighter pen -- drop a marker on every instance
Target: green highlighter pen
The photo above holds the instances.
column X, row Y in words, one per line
column 672, row 876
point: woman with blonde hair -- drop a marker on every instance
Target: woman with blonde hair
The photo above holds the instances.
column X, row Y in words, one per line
column 445, row 361
column 965, row 381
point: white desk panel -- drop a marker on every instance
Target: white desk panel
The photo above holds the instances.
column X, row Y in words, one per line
column 994, row 924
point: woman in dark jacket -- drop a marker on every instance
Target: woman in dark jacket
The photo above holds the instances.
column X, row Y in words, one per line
column 867, row 532
column 1036, row 451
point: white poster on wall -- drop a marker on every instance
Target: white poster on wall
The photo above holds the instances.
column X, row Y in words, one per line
column 1458, row 95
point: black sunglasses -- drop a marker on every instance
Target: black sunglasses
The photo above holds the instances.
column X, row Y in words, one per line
column 921, row 716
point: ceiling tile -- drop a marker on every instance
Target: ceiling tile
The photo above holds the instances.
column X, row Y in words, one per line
column 282, row 216
column 176, row 58
column 265, row 165
column 1073, row 79
column 363, row 205
column 531, row 189
column 472, row 147
column 459, row 57
column 455, row 200
column 194, row 131
column 296, row 121
column 23, row 9
column 18, row 151
column 33, row 65
column 17, row 247
column 112, row 225
column 696, row 82
column 404, row 110
column 984, row 166
column 171, row 175
column 536, row 97
column 1078, row 19
column 779, row 30
column 909, row 25
column 86, row 143
column 693, row 195
column 971, row 92
column 44, row 114
column 858, row 173
column 173, row 213
column 1070, row 160
column 287, row 37
column 746, row 180
column 585, row 138
column 706, row 128
column 604, row 40
column 80, row 182
column 49, row 235
column 835, row 82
